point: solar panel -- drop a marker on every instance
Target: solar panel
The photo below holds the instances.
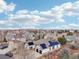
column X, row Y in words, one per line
column 43, row 46
column 31, row 43
column 53, row 43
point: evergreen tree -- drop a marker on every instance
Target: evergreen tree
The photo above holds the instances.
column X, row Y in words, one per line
column 62, row 40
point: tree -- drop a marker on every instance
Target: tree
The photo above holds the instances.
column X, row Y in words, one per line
column 4, row 40
column 64, row 54
column 62, row 40
column 69, row 33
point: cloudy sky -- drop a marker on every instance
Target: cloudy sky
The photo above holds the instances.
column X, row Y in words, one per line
column 39, row 14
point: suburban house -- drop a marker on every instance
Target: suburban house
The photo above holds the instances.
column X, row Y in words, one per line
column 10, row 36
column 22, row 39
column 70, row 38
column 49, row 46
column 31, row 36
column 42, row 48
column 54, row 45
column 30, row 45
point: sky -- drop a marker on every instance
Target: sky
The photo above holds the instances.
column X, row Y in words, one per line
column 39, row 14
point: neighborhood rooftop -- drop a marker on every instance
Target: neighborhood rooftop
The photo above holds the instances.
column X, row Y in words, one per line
column 52, row 43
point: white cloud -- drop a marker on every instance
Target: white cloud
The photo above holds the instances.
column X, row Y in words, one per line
column 2, row 22
column 74, row 25
column 4, row 7
column 10, row 7
column 33, row 18
column 67, row 6
column 41, row 17
column 34, row 12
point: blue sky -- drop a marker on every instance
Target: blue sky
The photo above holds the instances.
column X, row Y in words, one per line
column 37, row 4
column 41, row 14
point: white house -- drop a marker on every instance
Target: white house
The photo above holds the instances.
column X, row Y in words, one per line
column 30, row 45
column 70, row 38
column 31, row 36
column 10, row 36
column 26, row 35
column 42, row 48
column 54, row 45
column 50, row 46
column 22, row 39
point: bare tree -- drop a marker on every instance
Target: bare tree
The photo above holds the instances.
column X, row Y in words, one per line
column 64, row 54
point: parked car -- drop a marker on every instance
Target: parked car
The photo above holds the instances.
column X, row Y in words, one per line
column 9, row 54
column 3, row 46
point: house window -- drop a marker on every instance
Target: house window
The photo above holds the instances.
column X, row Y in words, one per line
column 52, row 47
column 40, row 52
column 57, row 46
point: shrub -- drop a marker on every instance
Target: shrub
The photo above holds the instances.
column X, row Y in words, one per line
column 62, row 40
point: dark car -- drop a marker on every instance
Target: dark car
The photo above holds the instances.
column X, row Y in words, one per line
column 9, row 54
column 3, row 46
